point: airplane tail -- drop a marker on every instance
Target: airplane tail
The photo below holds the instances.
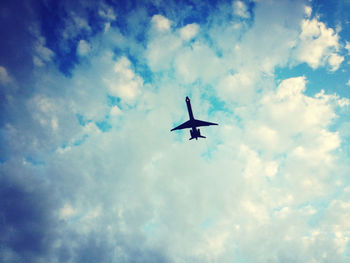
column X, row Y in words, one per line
column 196, row 135
column 199, row 134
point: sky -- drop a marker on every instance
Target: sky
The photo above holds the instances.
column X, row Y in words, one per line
column 90, row 172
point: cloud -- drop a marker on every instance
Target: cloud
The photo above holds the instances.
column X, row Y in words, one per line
column 318, row 45
column 238, row 87
column 240, row 9
column 90, row 163
column 83, row 48
column 125, row 83
column 46, row 109
column 74, row 25
column 308, row 11
column 335, row 61
column 4, row 77
column 28, row 224
column 347, row 47
column 42, row 54
column 161, row 51
column 107, row 13
column 189, row 31
column 115, row 111
column 161, row 23
column 197, row 62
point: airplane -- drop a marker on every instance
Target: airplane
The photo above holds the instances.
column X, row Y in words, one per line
column 193, row 123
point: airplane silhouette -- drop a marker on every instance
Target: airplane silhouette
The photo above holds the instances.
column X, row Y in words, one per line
column 193, row 123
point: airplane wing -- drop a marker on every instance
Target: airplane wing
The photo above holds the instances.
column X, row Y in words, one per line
column 185, row 125
column 191, row 123
column 199, row 123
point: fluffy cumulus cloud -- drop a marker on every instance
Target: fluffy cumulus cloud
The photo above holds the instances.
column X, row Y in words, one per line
column 125, row 84
column 90, row 172
column 189, row 31
column 161, row 23
column 318, row 45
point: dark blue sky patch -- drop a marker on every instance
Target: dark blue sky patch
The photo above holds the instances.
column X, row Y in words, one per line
column 54, row 18
column 67, row 61
column 27, row 226
column 3, row 101
column 332, row 11
column 16, row 43
column 52, row 22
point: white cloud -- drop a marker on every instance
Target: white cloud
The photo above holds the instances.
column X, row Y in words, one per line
column 271, row 169
column 347, row 47
column 197, row 62
column 334, row 61
column 107, row 13
column 66, row 211
column 74, row 25
column 4, row 76
column 41, row 54
column 240, row 9
column 318, row 45
column 115, row 111
column 161, row 22
column 125, row 83
column 291, row 103
column 83, row 47
column 38, row 62
column 161, row 51
column 289, row 113
column 308, row 11
column 189, row 31
column 238, row 87
column 348, row 83
column 45, row 111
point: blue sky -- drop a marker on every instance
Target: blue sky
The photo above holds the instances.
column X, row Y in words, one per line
column 89, row 171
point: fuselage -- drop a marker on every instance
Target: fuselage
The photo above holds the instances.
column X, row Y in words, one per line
column 195, row 133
